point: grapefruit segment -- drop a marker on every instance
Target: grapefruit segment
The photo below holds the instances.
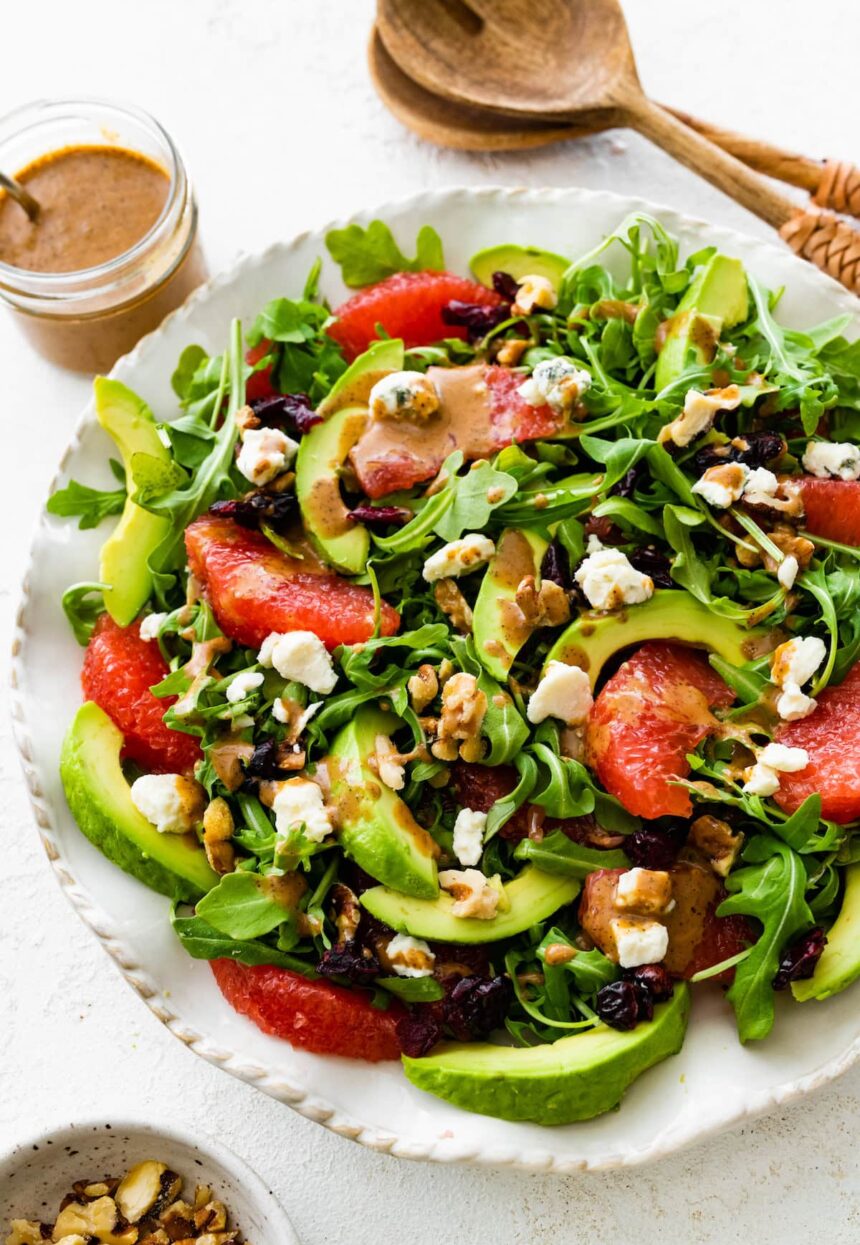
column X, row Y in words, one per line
column 119, row 669
column 315, row 1015
column 254, row 589
column 653, row 711
column 832, row 508
column 407, row 305
column 831, row 736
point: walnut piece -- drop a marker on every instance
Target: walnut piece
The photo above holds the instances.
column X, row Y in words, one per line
column 464, row 707
column 546, row 606
column 716, row 840
column 423, row 687
column 451, row 601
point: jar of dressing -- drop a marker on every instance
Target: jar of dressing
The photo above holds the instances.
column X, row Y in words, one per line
column 115, row 246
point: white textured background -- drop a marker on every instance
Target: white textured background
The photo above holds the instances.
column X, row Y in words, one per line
column 271, row 103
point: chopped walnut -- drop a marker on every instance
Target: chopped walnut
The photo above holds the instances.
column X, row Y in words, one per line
column 451, row 601
column 786, row 539
column 217, row 831
column 245, row 419
column 510, row 352
column 716, row 840
column 423, row 687
column 464, row 707
column 546, row 606
column 347, row 912
column 558, row 953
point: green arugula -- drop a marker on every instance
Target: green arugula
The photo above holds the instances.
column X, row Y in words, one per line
column 91, row 504
column 370, row 255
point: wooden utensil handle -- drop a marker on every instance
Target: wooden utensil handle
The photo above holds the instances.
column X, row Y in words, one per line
column 826, row 241
column 832, row 183
column 721, row 169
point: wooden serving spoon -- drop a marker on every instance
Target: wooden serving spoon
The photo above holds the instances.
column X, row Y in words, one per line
column 466, row 128
column 570, row 62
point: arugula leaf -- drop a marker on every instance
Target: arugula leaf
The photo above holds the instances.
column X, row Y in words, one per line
column 91, row 504
column 369, row 255
column 243, row 906
column 771, row 888
column 82, row 604
column 472, row 506
column 190, row 361
column 589, row 969
column 412, row 989
column 503, row 726
column 556, row 853
column 504, row 809
column 153, row 478
column 203, row 941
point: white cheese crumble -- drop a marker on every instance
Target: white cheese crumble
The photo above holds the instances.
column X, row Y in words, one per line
column 647, row 892
column 298, row 803
column 150, row 626
column 832, row 459
column 475, row 898
column 699, row 412
column 793, row 704
column 301, row 657
column 639, row 941
column 797, row 660
column 787, row 570
column 242, row 685
column 459, row 557
column 773, row 760
column 534, row 291
column 404, row 395
column 558, row 383
column 410, row 957
column 722, row 485
column 609, row 580
column 761, row 482
column 265, row 453
column 594, row 544
column 469, row 835
column 564, row 692
column 172, row 803
column 391, row 771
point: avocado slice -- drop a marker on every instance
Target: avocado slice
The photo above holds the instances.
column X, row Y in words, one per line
column 100, row 800
column 354, row 386
column 498, row 626
column 124, row 559
column 669, row 615
column 531, row 897
column 375, row 827
column 839, row 965
column 519, row 261
column 322, row 454
column 573, row 1079
column 716, row 299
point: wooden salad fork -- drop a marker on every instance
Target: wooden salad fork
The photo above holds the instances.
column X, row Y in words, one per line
column 514, row 58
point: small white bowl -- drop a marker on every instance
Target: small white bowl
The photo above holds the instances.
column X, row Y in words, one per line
column 38, row 1173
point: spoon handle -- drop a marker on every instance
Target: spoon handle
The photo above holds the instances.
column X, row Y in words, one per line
column 20, row 195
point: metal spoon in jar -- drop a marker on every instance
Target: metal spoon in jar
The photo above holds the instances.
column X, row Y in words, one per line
column 21, row 196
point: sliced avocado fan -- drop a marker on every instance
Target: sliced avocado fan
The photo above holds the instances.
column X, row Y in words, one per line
column 575, row 1078
column 100, row 800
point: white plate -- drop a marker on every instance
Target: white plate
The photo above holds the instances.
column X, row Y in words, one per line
column 713, row 1083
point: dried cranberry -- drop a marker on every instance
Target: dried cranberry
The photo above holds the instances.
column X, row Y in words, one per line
column 277, row 510
column 380, row 516
column 622, row 1004
column 506, row 286
column 762, row 448
column 651, row 561
column 800, row 957
column 604, row 529
column 555, row 565
column 293, row 411
column 626, row 486
column 419, row 1032
column 357, row 963
column 651, row 849
column 265, row 761
column 476, row 318
column 654, row 978
column 476, row 1006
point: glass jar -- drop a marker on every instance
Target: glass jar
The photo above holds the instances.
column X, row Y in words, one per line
column 86, row 319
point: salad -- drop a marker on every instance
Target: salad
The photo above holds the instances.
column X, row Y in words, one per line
column 476, row 665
